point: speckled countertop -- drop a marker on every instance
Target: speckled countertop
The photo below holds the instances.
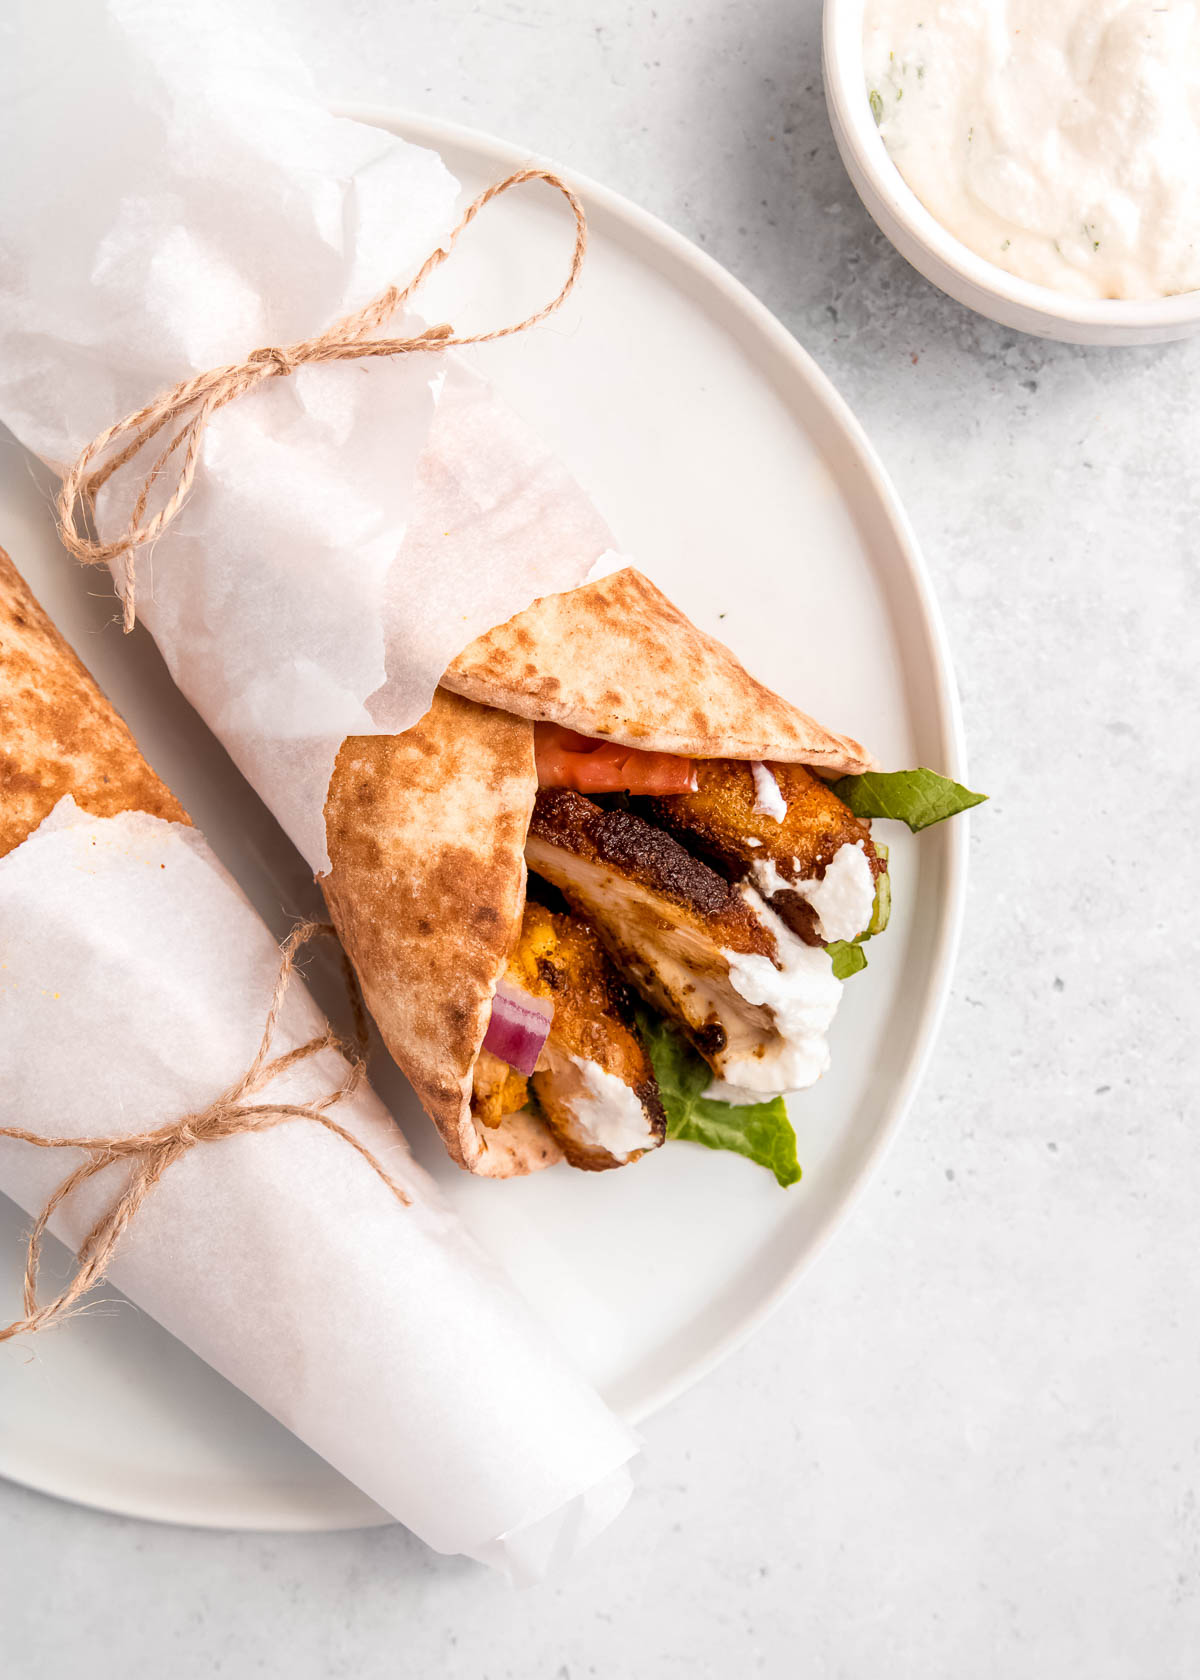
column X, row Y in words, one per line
column 968, row 1446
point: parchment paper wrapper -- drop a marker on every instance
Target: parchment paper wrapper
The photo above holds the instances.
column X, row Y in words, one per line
column 134, row 984
column 174, row 197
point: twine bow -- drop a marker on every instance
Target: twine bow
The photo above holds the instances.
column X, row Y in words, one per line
column 151, row 1153
column 197, row 400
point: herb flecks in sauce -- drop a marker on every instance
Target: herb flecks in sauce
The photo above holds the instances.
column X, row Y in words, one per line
column 1062, row 142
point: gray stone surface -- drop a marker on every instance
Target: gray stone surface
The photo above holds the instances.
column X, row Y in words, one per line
column 968, row 1445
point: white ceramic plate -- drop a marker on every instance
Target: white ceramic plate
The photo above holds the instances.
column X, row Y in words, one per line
column 726, row 463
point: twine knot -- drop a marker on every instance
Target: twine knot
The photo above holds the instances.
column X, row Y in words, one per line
column 149, row 1154
column 196, row 400
column 283, row 359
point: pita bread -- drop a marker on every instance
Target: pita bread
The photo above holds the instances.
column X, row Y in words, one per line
column 615, row 658
column 426, row 835
column 58, row 734
column 426, row 830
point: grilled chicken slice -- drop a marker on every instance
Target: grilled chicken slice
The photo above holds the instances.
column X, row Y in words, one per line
column 593, row 1082
column 496, row 1089
column 754, row 1000
column 816, row 866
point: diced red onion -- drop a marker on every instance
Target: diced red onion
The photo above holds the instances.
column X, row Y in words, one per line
column 519, row 1026
column 768, row 797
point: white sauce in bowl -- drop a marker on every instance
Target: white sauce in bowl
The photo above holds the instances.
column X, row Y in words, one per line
column 1059, row 139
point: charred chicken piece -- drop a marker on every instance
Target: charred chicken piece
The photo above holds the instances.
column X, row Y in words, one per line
column 707, row 953
column 593, row 1082
column 789, row 860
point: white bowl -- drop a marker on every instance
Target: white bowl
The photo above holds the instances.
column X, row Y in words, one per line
column 942, row 258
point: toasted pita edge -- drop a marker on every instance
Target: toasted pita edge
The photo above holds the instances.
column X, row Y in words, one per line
column 616, row 659
column 426, row 834
column 58, row 734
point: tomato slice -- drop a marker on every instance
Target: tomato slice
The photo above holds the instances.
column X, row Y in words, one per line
column 567, row 759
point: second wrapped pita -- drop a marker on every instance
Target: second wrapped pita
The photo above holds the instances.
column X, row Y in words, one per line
column 58, row 734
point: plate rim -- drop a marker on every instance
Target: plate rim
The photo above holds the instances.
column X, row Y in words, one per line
column 438, row 133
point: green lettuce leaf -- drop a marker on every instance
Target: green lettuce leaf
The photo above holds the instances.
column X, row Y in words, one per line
column 848, row 957
column 760, row 1131
column 919, row 798
column 881, row 909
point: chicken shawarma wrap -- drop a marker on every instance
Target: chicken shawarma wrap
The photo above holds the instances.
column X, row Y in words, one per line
column 608, row 887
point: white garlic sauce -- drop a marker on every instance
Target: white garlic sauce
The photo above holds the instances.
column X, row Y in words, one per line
column 1060, row 139
column 842, row 901
column 608, row 1113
